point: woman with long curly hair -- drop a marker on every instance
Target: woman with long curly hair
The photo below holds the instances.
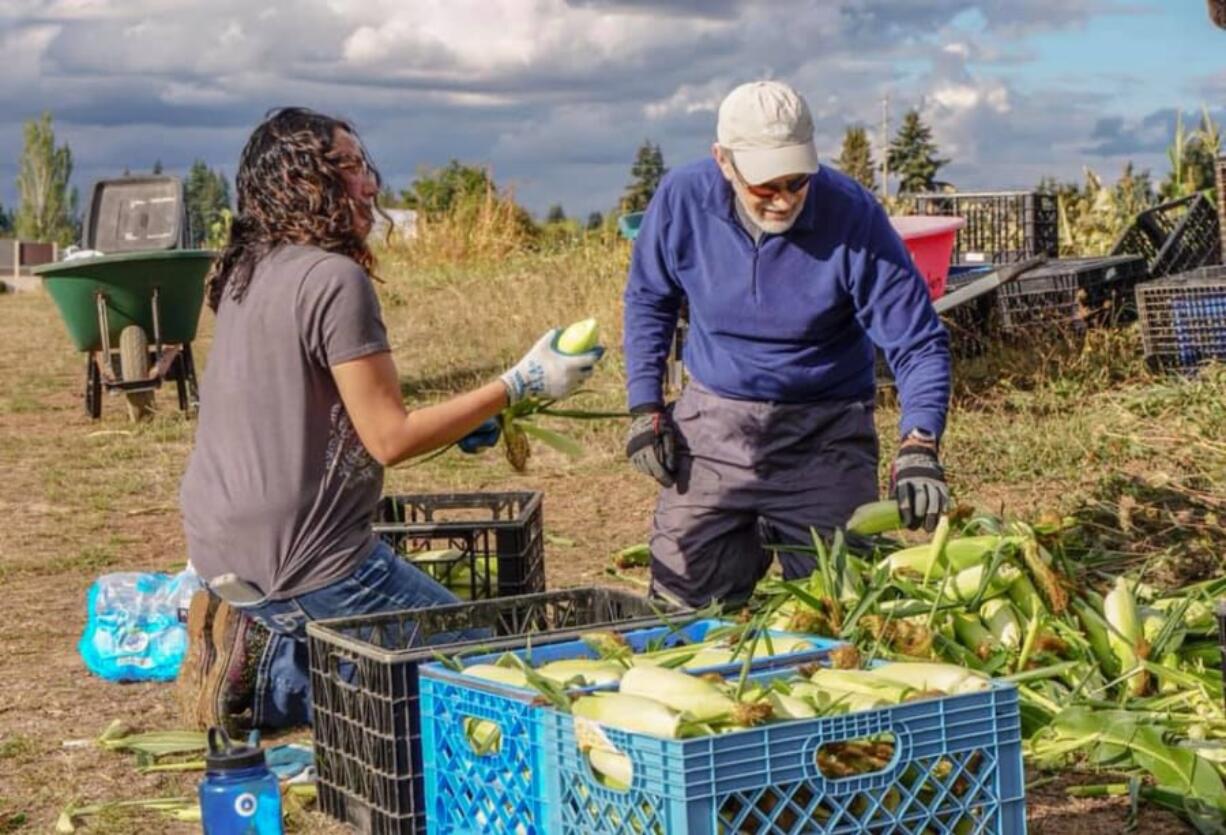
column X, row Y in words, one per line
column 300, row 412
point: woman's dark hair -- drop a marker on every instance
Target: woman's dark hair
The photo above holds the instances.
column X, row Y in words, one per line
column 290, row 191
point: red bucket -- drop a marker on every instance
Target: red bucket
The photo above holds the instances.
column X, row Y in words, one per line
column 930, row 240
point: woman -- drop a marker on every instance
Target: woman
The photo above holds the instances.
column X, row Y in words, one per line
column 300, row 412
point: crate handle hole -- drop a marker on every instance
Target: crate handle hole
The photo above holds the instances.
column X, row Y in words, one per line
column 343, row 672
column 856, row 757
column 484, row 736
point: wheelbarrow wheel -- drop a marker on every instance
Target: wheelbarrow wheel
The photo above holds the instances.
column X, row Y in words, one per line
column 93, row 387
column 134, row 365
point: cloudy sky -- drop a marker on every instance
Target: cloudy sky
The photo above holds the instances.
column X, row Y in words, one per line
column 556, row 95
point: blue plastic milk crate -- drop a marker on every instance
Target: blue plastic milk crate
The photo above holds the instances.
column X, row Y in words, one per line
column 956, row 769
column 506, row 790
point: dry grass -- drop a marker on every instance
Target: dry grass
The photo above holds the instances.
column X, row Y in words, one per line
column 1050, row 428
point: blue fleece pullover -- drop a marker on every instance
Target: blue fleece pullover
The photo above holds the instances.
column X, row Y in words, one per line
column 793, row 319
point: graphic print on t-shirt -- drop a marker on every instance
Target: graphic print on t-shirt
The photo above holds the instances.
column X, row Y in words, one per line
column 346, row 458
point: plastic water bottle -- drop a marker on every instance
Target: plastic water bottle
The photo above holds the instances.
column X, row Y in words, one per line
column 239, row 795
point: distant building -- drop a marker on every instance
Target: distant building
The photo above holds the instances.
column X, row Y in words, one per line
column 404, row 224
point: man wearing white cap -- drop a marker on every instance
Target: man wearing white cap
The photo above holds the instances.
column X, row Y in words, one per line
column 792, row 274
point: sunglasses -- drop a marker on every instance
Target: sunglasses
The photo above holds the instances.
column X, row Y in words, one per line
column 792, row 185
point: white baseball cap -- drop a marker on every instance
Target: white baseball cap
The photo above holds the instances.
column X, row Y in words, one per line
column 768, row 129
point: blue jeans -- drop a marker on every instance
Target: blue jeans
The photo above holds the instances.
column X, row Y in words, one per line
column 383, row 583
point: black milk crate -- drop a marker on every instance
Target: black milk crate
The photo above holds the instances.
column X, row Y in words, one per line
column 1183, row 318
column 364, row 689
column 479, row 545
column 1072, row 292
column 1221, row 204
column 1174, row 237
column 971, row 325
column 1002, row 227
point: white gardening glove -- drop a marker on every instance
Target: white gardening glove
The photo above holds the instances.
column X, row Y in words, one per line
column 548, row 373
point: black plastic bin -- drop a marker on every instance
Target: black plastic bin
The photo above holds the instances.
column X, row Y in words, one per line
column 1174, row 237
column 1072, row 293
column 479, row 545
column 1183, row 318
column 1002, row 227
column 364, row 689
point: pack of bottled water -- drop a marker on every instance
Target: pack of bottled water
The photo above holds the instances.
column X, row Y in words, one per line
column 136, row 625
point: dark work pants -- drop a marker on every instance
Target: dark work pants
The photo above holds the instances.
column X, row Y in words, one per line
column 750, row 474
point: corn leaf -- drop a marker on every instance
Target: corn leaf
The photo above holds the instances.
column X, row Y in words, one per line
column 555, row 440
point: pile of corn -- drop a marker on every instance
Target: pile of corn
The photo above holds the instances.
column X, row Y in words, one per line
column 1114, row 674
column 655, row 695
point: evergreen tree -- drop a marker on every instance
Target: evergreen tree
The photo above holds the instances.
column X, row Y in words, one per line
column 157, row 166
column 594, row 221
column 48, row 204
column 555, row 214
column 207, row 193
column 856, row 158
column 647, row 171
column 913, row 156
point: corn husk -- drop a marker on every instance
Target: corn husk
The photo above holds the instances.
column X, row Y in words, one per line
column 584, row 671
column 630, row 713
column 699, row 699
column 1002, row 622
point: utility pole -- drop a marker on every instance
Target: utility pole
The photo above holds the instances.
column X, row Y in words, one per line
column 885, row 146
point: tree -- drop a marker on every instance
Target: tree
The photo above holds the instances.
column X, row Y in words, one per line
column 647, row 171
column 436, row 192
column 913, row 155
column 856, row 158
column 48, row 204
column 207, row 194
column 594, row 221
column 157, row 166
column 555, row 214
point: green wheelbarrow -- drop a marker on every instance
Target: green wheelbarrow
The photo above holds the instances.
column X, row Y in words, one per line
column 135, row 315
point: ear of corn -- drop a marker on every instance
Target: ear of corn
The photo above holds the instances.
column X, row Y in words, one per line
column 502, row 675
column 712, row 657
column 1024, row 595
column 966, row 583
column 924, row 676
column 790, row 707
column 579, row 337
column 589, row 671
column 972, row 634
column 875, row 518
column 1124, row 636
column 960, row 554
column 630, row 713
column 697, row 698
column 1002, row 622
column 612, row 768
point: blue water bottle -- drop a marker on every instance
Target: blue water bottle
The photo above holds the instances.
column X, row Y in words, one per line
column 239, row 795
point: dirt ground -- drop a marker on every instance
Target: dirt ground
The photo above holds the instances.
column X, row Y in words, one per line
column 81, row 498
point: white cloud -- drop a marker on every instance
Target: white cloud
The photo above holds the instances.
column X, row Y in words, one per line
column 556, row 94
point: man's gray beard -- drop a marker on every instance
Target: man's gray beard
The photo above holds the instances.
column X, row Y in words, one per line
column 777, row 227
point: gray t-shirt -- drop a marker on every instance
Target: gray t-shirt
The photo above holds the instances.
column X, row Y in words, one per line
column 279, row 489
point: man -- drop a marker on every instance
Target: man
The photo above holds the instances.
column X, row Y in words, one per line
column 792, row 273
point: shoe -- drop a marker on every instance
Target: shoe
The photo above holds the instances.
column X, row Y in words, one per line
column 199, row 658
column 227, row 695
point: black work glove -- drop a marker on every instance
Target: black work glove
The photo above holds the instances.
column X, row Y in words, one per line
column 918, row 485
column 651, row 445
